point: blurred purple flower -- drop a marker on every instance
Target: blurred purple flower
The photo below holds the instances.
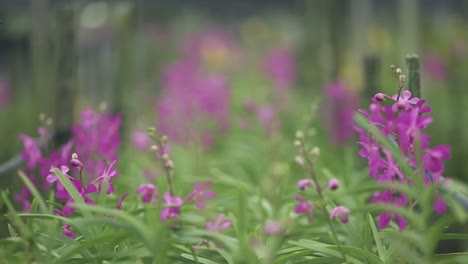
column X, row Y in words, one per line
column 31, row 153
column 340, row 104
column 304, row 207
column 439, row 205
column 141, row 140
column 172, row 206
column 96, row 135
column 200, row 193
column 435, row 66
column 341, row 212
column 193, row 106
column 52, row 177
column 273, row 228
column 267, row 116
column 279, row 65
column 218, row 224
column 148, row 193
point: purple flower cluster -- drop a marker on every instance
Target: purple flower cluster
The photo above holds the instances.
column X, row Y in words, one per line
column 279, row 65
column 340, row 103
column 403, row 122
column 193, row 105
column 96, row 139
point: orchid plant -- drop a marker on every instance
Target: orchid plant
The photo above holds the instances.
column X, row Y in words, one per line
column 80, row 207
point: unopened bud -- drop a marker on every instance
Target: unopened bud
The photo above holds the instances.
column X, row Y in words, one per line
column 75, row 162
column 165, row 157
column 297, row 143
column 392, row 67
column 315, row 151
column 333, row 184
column 154, row 148
column 305, row 183
column 169, row 164
column 164, row 139
column 151, row 131
column 379, row 97
column 49, row 121
column 398, row 71
column 402, row 78
column 299, row 160
column 299, row 134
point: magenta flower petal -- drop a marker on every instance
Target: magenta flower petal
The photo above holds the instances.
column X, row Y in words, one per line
column 439, row 205
column 384, row 220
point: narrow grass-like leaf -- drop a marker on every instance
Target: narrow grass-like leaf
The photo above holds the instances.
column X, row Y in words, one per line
column 200, row 260
column 34, row 192
column 328, row 250
column 140, row 229
column 378, row 242
column 15, row 220
column 368, row 233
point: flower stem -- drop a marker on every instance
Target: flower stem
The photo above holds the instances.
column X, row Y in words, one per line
column 313, row 175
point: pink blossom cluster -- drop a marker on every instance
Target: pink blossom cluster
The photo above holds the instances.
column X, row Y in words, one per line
column 403, row 122
column 340, row 104
column 194, row 106
column 279, row 65
column 95, row 138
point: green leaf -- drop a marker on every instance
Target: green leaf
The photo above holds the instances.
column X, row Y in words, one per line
column 133, row 224
column 447, row 236
column 329, row 250
column 200, row 259
column 14, row 219
column 450, row 258
column 34, row 192
column 368, row 233
column 378, row 242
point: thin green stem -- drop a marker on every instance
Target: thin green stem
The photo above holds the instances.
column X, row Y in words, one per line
column 313, row 175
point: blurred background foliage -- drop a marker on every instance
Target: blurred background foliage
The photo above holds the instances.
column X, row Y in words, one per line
column 58, row 57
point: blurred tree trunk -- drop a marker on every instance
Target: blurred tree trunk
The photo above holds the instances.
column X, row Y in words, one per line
column 360, row 19
column 65, row 72
column 41, row 66
column 410, row 27
column 122, row 94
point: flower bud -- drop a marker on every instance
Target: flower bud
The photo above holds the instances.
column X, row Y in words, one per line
column 299, row 160
column 398, row 71
column 402, row 78
column 315, row 151
column 299, row 134
column 379, row 97
column 341, row 212
column 164, row 139
column 169, row 164
column 333, row 184
column 297, row 143
column 154, row 148
column 305, row 183
column 75, row 162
